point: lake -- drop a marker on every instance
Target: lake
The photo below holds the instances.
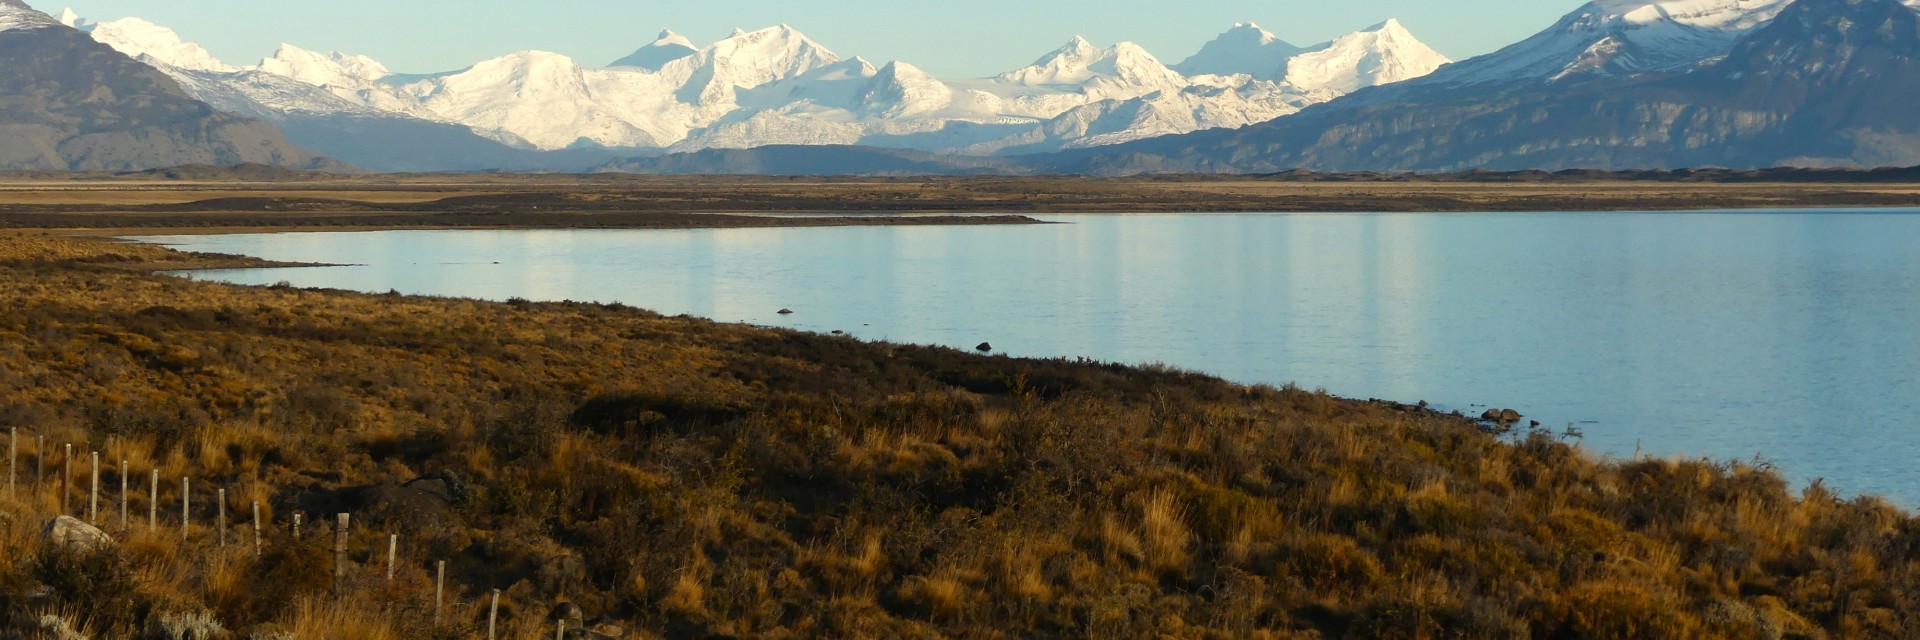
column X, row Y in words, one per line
column 1791, row 336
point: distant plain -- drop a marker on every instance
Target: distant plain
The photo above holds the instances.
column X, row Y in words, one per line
column 212, row 201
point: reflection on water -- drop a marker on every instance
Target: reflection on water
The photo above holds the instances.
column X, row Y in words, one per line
column 1792, row 336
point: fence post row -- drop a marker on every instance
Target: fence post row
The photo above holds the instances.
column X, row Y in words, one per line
column 341, row 532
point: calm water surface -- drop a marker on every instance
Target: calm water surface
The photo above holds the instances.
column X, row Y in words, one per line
column 1794, row 336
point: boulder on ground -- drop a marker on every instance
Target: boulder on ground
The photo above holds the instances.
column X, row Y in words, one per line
column 70, row 533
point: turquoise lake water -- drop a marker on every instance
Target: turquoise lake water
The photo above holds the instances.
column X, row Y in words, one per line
column 1793, row 336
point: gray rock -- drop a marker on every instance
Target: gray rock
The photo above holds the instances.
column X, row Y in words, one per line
column 70, row 533
column 607, row 631
column 447, row 485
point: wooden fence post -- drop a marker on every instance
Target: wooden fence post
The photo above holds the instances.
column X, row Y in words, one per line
column 393, row 552
column 493, row 614
column 340, row 554
column 186, row 509
column 439, row 588
column 560, row 629
column 256, row 528
column 93, row 496
column 296, row 525
column 125, row 524
column 153, row 502
column 223, row 517
column 66, row 480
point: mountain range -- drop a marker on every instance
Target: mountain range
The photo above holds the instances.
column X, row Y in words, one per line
column 773, row 86
column 1616, row 84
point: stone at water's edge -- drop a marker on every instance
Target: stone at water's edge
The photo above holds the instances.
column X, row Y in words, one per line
column 70, row 533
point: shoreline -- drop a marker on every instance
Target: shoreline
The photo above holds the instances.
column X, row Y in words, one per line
column 531, row 449
column 374, row 203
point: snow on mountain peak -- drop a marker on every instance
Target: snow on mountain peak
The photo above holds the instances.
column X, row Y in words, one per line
column 1244, row 49
column 1382, row 54
column 746, row 60
column 138, row 38
column 1080, row 63
column 901, row 90
column 336, row 69
column 15, row 14
column 668, row 37
column 667, row 48
column 1711, row 14
column 776, row 85
column 70, row 18
column 1614, row 37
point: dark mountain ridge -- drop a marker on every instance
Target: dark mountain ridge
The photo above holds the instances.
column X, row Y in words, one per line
column 70, row 103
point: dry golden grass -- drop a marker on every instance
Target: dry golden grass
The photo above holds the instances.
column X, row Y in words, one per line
column 680, row 478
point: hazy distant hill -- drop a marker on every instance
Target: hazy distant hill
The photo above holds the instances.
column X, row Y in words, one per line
column 70, row 103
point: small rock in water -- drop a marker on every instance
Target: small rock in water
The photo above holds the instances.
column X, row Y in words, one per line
column 786, row 312
column 985, row 347
column 71, row 533
column 1502, row 416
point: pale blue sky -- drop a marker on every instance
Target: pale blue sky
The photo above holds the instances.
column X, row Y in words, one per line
column 949, row 39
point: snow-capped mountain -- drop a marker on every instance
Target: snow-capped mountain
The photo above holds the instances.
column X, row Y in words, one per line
column 667, row 48
column 1617, row 84
column 144, row 40
column 1246, row 49
column 778, row 86
column 1621, row 37
column 1382, row 54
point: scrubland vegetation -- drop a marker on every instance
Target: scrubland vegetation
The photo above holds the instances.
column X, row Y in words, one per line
column 677, row 478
